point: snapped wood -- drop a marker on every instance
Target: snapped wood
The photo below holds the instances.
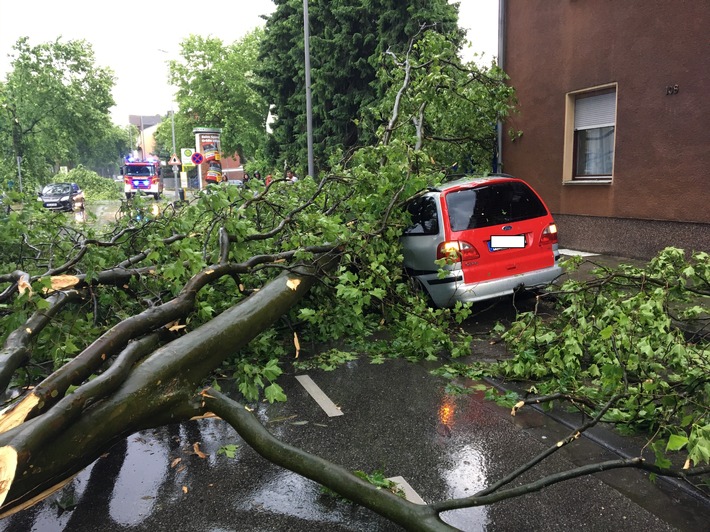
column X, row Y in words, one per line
column 8, row 467
column 16, row 414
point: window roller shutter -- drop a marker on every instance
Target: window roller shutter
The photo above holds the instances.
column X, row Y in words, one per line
column 595, row 111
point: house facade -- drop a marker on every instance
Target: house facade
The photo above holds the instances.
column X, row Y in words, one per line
column 613, row 119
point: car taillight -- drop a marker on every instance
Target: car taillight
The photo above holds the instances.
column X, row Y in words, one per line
column 549, row 235
column 456, row 251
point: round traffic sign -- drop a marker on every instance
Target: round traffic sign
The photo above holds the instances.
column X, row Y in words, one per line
column 197, row 158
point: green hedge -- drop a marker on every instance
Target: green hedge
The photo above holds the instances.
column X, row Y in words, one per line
column 94, row 186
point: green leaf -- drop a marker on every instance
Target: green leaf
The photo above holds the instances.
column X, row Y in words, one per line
column 676, row 442
column 274, row 393
column 41, row 303
column 606, row 332
column 230, row 450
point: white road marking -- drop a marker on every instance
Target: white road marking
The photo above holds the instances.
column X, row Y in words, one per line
column 409, row 493
column 321, row 398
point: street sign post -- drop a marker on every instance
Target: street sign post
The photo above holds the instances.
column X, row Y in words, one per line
column 187, row 157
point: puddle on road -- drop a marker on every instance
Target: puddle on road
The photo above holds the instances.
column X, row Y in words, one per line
column 290, row 494
column 467, row 475
column 464, row 466
column 140, row 481
column 144, row 471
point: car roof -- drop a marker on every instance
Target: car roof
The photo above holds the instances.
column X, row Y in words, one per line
column 471, row 180
column 73, row 185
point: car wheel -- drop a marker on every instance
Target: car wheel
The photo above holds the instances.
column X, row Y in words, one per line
column 416, row 286
column 156, row 196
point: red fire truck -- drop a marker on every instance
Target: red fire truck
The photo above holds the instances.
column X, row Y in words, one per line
column 142, row 177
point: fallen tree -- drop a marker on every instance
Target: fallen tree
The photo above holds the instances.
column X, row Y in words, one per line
column 140, row 371
column 39, row 454
column 112, row 330
column 153, row 367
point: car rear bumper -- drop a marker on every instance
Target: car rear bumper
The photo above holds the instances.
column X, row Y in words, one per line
column 451, row 289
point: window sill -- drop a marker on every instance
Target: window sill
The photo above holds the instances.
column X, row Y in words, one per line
column 587, row 181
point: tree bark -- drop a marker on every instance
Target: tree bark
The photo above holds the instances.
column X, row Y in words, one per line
column 156, row 391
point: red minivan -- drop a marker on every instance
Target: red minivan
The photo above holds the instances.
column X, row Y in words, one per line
column 480, row 238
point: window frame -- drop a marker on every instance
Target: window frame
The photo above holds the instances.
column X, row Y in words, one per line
column 570, row 139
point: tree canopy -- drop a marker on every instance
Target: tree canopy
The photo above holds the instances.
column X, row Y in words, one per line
column 347, row 47
column 54, row 110
column 215, row 88
column 358, row 53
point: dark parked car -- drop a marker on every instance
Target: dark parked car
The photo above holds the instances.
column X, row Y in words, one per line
column 62, row 197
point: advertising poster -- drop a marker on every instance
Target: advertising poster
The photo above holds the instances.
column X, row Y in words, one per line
column 207, row 142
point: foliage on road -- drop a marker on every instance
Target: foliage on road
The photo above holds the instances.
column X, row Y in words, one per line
column 635, row 335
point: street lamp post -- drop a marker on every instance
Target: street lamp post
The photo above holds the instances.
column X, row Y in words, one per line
column 172, row 125
column 175, row 166
column 309, row 108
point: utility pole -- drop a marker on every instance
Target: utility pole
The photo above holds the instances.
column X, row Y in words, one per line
column 309, row 107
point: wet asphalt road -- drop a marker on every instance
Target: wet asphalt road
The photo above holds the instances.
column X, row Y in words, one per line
column 397, row 419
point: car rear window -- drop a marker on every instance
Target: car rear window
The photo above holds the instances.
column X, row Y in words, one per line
column 493, row 204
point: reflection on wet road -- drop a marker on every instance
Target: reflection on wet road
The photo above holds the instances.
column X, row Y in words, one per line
column 143, row 473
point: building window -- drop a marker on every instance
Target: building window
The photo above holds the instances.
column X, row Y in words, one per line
column 591, row 126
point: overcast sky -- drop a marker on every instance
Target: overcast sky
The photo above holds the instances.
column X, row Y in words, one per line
column 130, row 35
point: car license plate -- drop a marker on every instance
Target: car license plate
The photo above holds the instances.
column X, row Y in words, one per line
column 51, row 204
column 506, row 242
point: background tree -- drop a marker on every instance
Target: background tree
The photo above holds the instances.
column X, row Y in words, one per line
column 448, row 108
column 104, row 151
column 214, row 84
column 348, row 41
column 54, row 101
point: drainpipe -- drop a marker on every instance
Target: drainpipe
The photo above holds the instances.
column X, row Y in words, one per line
column 501, row 64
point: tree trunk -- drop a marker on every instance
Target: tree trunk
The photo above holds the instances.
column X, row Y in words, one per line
column 36, row 458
